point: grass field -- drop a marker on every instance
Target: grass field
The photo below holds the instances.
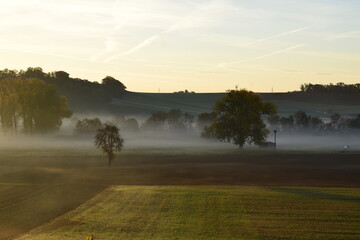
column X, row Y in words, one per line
column 211, row 212
column 252, row 195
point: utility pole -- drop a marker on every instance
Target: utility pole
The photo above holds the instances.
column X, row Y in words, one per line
column 275, row 131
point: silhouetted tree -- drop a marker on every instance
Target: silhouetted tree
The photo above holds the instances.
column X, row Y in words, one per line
column 109, row 140
column 354, row 122
column 287, row 122
column 316, row 123
column 113, row 86
column 188, row 120
column 274, row 120
column 88, row 126
column 157, row 120
column 302, row 120
column 205, row 119
column 175, row 119
column 337, row 122
column 131, row 125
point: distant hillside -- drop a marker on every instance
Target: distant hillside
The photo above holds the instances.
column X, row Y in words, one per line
column 134, row 103
column 110, row 96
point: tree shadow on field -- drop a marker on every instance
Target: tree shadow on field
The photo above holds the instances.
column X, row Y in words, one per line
column 313, row 194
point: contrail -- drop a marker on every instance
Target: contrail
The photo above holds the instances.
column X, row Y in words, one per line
column 141, row 45
column 226, row 64
column 275, row 36
column 275, row 53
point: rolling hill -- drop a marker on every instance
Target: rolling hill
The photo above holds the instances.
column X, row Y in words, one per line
column 136, row 104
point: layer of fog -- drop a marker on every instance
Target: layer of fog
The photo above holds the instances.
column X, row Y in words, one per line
column 190, row 140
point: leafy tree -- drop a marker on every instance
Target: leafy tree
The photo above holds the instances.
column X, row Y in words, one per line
column 157, row 120
column 88, row 126
column 188, row 120
column 239, row 118
column 113, row 86
column 354, row 122
column 6, row 73
column 205, row 119
column 131, row 125
column 109, row 140
column 337, row 122
column 302, row 120
column 316, row 122
column 175, row 119
column 35, row 104
column 287, row 122
column 119, row 120
column 274, row 120
column 9, row 104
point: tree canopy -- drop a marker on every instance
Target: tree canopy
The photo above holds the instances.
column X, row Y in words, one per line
column 238, row 118
column 32, row 104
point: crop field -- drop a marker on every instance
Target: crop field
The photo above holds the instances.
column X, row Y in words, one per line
column 69, row 195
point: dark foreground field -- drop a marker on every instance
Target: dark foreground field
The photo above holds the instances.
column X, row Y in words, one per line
column 37, row 188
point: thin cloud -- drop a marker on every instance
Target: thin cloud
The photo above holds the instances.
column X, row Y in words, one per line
column 275, row 53
column 201, row 15
column 275, row 36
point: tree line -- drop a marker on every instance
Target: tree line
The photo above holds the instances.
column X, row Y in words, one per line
column 173, row 120
column 339, row 88
column 300, row 121
column 82, row 95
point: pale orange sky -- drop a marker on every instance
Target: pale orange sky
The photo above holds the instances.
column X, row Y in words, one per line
column 202, row 46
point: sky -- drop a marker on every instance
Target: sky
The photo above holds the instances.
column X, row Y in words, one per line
column 198, row 45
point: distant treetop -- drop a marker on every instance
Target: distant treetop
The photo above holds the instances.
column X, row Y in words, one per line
column 339, row 88
column 184, row 92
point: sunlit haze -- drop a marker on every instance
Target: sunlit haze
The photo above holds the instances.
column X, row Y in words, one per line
column 202, row 46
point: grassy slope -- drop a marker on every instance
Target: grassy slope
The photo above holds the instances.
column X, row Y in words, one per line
column 209, row 212
column 146, row 103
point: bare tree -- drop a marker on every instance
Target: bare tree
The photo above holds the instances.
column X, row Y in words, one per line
column 109, row 140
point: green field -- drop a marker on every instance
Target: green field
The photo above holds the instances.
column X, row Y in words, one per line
column 210, row 212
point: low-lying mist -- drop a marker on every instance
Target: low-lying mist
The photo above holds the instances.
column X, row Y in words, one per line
column 173, row 140
column 176, row 141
